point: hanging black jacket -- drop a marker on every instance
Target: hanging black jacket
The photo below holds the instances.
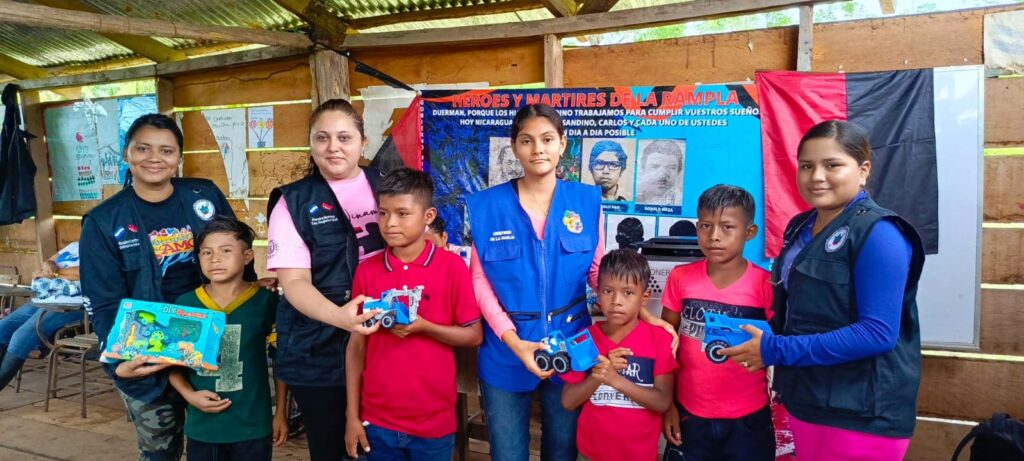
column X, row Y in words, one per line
column 17, row 171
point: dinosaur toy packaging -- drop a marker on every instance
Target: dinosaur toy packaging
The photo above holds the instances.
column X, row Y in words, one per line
column 177, row 334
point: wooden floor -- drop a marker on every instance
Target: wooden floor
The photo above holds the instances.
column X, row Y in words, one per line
column 28, row 433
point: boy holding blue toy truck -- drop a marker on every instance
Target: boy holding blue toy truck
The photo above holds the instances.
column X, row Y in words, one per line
column 229, row 415
column 721, row 410
column 624, row 395
column 401, row 380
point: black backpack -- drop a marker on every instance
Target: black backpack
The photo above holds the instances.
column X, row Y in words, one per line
column 998, row 439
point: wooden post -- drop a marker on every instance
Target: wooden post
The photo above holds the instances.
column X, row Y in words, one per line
column 329, row 72
column 46, row 243
column 805, row 38
column 554, row 75
column 165, row 96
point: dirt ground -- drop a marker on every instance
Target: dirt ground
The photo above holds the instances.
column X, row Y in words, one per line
column 29, row 433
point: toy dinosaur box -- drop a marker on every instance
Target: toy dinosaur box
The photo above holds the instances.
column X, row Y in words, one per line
column 181, row 335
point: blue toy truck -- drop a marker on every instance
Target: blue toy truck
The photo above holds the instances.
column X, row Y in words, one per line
column 392, row 309
column 722, row 331
column 578, row 352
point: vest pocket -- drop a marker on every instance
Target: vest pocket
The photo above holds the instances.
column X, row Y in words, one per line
column 837, row 272
column 852, row 388
column 576, row 243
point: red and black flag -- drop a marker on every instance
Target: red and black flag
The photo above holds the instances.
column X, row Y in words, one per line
column 896, row 109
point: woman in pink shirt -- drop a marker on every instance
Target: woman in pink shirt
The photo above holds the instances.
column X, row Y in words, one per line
column 320, row 227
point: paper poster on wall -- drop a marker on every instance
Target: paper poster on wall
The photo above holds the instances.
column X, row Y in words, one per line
column 652, row 150
column 108, row 139
column 229, row 129
column 75, row 163
column 261, row 127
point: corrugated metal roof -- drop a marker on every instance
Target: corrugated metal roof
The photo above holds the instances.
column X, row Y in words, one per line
column 44, row 47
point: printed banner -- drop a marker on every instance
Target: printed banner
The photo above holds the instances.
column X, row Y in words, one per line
column 229, row 130
column 651, row 150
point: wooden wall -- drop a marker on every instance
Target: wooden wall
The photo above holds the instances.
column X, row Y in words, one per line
column 968, row 389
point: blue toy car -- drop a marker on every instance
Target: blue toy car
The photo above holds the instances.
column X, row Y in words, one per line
column 392, row 310
column 578, row 352
column 722, row 331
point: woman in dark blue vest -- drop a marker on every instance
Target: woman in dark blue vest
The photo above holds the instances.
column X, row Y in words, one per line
column 320, row 227
column 538, row 242
column 139, row 244
column 846, row 344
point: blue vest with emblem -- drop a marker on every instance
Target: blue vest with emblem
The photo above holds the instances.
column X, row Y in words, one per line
column 540, row 284
column 877, row 395
column 310, row 352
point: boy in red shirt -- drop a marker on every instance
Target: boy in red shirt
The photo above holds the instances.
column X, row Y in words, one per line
column 401, row 382
column 721, row 410
column 624, row 395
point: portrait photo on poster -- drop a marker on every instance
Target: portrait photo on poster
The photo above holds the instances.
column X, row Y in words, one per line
column 609, row 165
column 503, row 165
column 628, row 231
column 676, row 227
column 659, row 179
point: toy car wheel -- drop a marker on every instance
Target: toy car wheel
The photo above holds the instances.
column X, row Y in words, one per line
column 542, row 360
column 560, row 362
column 387, row 321
column 713, row 349
column 370, row 323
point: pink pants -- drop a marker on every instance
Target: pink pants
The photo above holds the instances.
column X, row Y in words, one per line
column 815, row 442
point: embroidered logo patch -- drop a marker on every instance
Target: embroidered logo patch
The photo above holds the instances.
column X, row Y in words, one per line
column 204, row 209
column 119, row 233
column 572, row 221
column 132, row 228
column 837, row 239
column 326, row 206
column 272, row 248
column 313, row 209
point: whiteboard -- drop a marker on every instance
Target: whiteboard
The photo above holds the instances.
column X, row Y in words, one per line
column 948, row 295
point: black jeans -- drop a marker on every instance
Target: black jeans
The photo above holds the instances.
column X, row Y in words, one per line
column 248, row 450
column 323, row 413
column 750, row 438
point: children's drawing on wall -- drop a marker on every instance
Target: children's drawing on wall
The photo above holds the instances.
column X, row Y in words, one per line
column 229, row 129
column 261, row 127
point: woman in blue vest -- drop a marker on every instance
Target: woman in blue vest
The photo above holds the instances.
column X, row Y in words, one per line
column 139, row 244
column 846, row 344
column 320, row 227
column 538, row 243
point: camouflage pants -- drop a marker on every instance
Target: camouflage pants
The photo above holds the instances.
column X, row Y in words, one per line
column 159, row 426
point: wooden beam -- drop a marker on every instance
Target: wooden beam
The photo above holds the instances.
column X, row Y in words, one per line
column 20, row 70
column 46, row 244
column 143, row 46
column 165, row 69
column 805, row 38
column 510, row 6
column 165, row 96
column 614, row 20
column 554, row 73
column 329, row 71
column 596, row 6
column 560, row 8
column 44, row 16
column 326, row 26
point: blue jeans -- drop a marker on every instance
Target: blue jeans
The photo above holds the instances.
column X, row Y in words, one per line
column 508, row 423
column 750, row 437
column 18, row 330
column 389, row 445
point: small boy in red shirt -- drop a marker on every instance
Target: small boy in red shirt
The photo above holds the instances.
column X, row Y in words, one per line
column 721, row 410
column 401, row 381
column 624, row 395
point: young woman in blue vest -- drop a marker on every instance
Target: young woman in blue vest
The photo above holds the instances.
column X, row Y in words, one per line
column 538, row 243
column 139, row 244
column 846, row 344
column 320, row 227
